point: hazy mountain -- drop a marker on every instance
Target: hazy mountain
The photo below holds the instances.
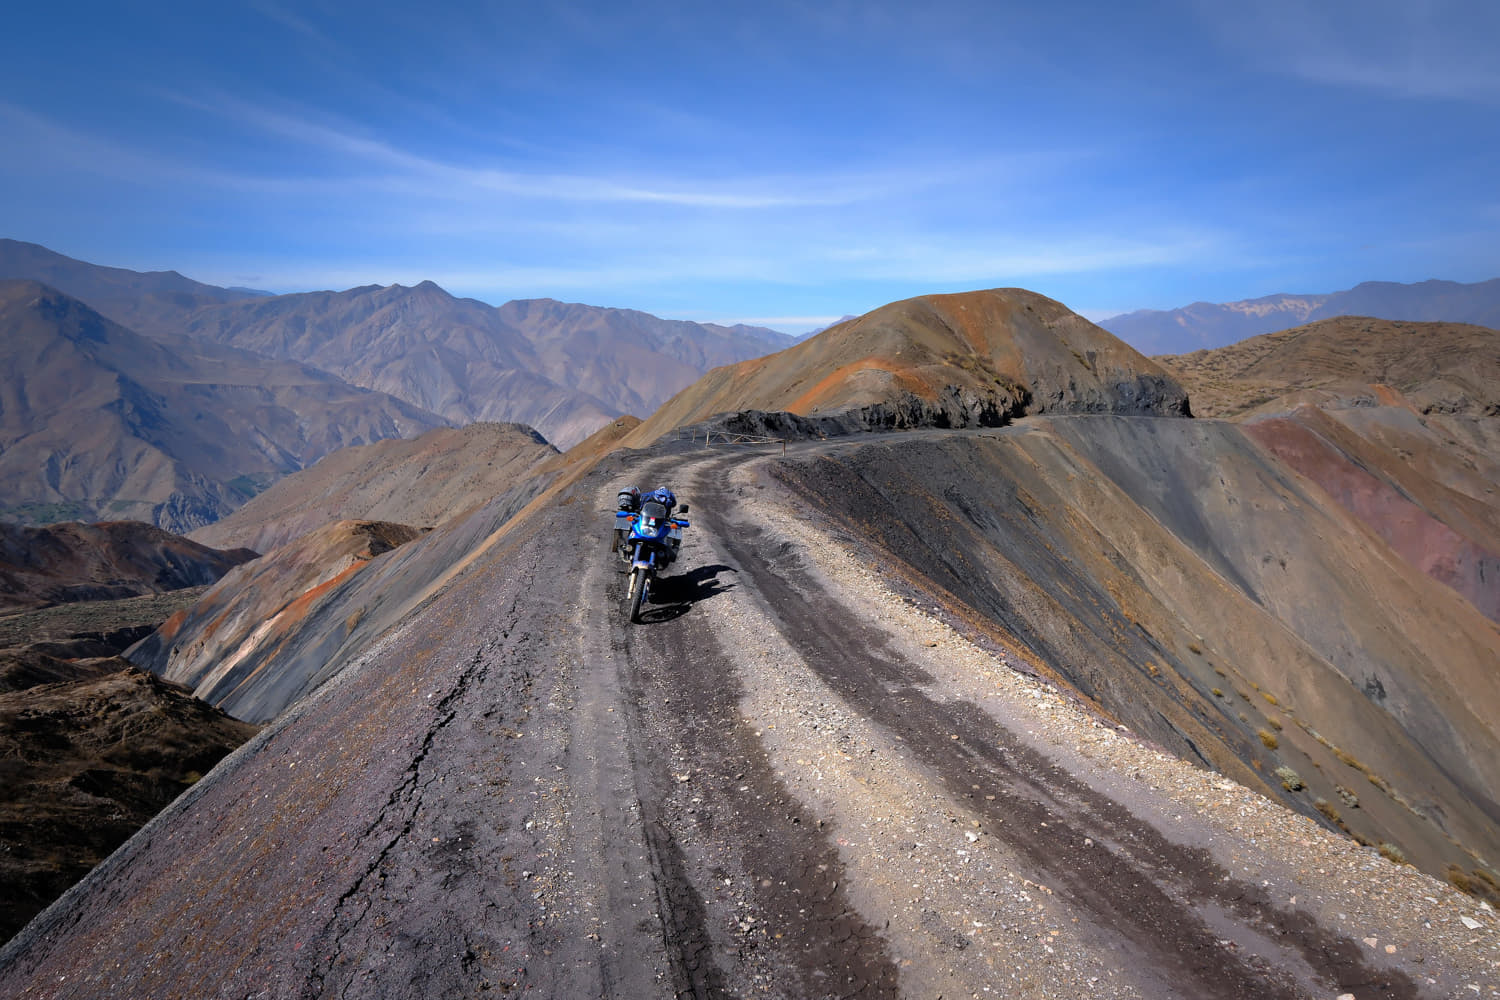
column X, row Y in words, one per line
column 152, row 302
column 631, row 360
column 563, row 368
column 817, row 330
column 1208, row 325
column 98, row 422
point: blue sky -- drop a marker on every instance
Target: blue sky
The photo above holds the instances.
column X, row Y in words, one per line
column 776, row 163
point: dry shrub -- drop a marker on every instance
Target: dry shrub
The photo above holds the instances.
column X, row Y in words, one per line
column 1268, row 738
column 1290, row 780
column 1391, row 852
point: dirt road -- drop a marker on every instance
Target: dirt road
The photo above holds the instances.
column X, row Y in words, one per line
column 775, row 785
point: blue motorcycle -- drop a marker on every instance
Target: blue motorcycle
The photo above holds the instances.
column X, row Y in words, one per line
column 648, row 539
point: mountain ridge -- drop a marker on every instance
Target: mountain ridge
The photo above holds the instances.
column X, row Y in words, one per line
column 99, row 422
column 458, row 357
column 1211, row 325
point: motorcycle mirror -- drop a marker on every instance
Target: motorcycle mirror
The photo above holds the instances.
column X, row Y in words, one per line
column 683, row 509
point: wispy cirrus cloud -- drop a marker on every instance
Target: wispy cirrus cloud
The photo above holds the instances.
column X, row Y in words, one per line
column 375, row 162
column 44, row 143
column 1433, row 49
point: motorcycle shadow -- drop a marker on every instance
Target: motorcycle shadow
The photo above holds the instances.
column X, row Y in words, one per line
column 674, row 596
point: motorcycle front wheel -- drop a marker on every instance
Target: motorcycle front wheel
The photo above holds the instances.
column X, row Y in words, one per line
column 639, row 580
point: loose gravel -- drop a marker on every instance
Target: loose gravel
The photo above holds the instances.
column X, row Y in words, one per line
column 954, row 903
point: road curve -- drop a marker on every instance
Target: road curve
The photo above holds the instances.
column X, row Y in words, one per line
column 770, row 787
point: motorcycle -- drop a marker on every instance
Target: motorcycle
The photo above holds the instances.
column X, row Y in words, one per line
column 648, row 540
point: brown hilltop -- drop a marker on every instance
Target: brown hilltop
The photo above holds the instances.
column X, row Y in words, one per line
column 1443, row 367
column 969, row 359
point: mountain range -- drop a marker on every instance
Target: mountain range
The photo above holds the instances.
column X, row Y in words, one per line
column 1207, row 325
column 564, row 369
column 98, row 422
column 968, row 579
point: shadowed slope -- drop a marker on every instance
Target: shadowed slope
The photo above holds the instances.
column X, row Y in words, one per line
column 1197, row 589
column 965, row 360
column 90, row 562
column 420, row 481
